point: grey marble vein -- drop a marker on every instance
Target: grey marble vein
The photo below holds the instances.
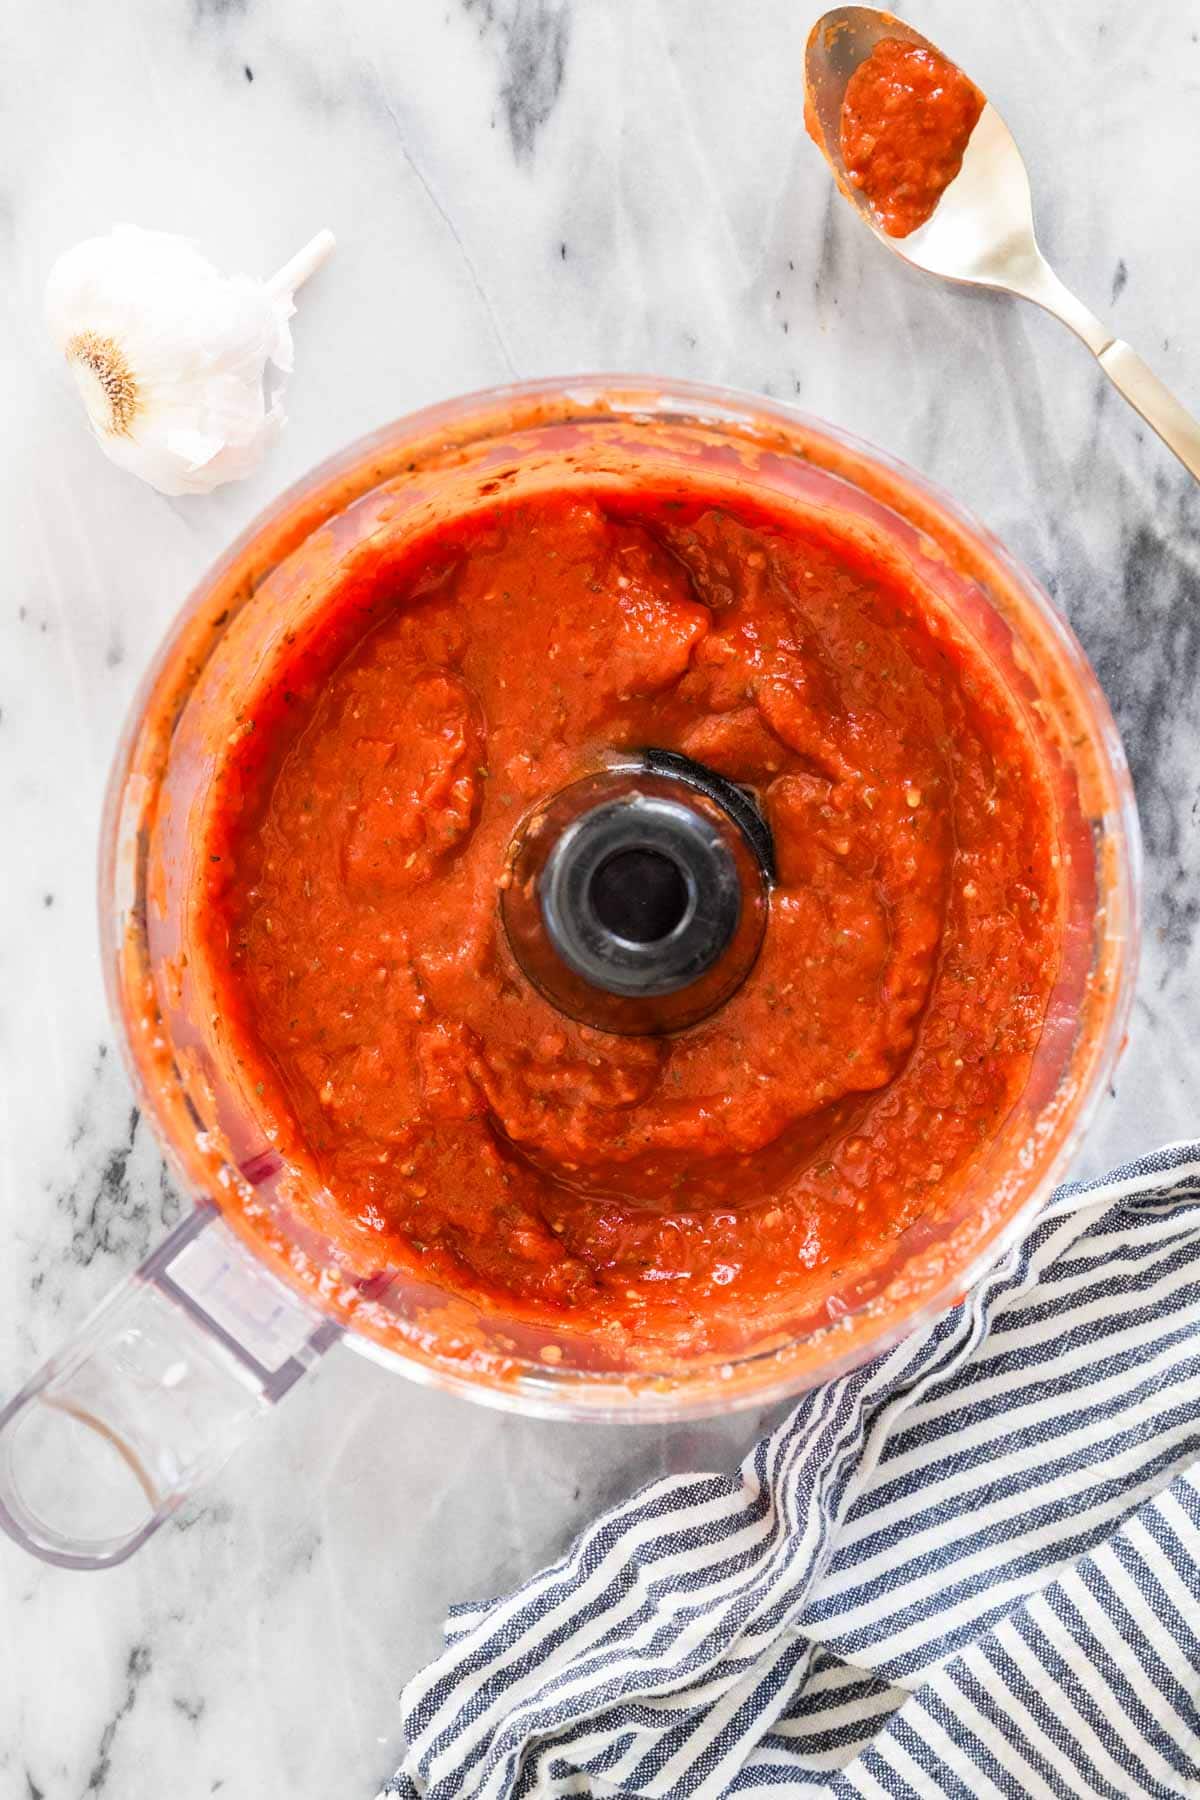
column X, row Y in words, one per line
column 532, row 36
column 519, row 187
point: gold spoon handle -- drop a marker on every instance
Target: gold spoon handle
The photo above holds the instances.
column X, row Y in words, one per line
column 1135, row 380
column 1155, row 402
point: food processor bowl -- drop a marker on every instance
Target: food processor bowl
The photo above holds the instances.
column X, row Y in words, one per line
column 247, row 1293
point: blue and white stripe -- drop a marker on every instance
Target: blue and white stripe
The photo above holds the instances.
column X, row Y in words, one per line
column 971, row 1568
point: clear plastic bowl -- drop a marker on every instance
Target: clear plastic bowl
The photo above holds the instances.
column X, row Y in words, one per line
column 515, row 440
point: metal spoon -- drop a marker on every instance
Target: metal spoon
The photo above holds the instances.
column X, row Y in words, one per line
column 981, row 232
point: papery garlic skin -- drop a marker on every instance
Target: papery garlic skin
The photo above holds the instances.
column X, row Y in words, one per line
column 170, row 356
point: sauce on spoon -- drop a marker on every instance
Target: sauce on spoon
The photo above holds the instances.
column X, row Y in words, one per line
column 907, row 116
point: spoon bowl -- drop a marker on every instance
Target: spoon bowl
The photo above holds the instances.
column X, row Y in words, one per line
column 984, row 219
column 981, row 231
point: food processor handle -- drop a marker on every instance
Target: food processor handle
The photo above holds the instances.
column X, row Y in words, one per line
column 151, row 1397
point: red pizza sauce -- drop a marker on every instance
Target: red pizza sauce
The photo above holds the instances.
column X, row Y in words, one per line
column 907, row 116
column 451, row 1122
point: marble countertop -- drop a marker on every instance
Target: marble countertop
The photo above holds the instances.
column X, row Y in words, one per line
column 519, row 187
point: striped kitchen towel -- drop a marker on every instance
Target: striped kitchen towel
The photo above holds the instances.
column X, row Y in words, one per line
column 970, row 1568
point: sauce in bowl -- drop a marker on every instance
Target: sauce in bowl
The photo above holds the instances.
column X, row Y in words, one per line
column 446, row 1120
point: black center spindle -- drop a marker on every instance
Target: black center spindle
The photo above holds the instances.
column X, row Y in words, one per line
column 636, row 898
column 659, row 868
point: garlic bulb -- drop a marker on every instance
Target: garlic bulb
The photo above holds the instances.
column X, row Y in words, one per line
column 170, row 357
